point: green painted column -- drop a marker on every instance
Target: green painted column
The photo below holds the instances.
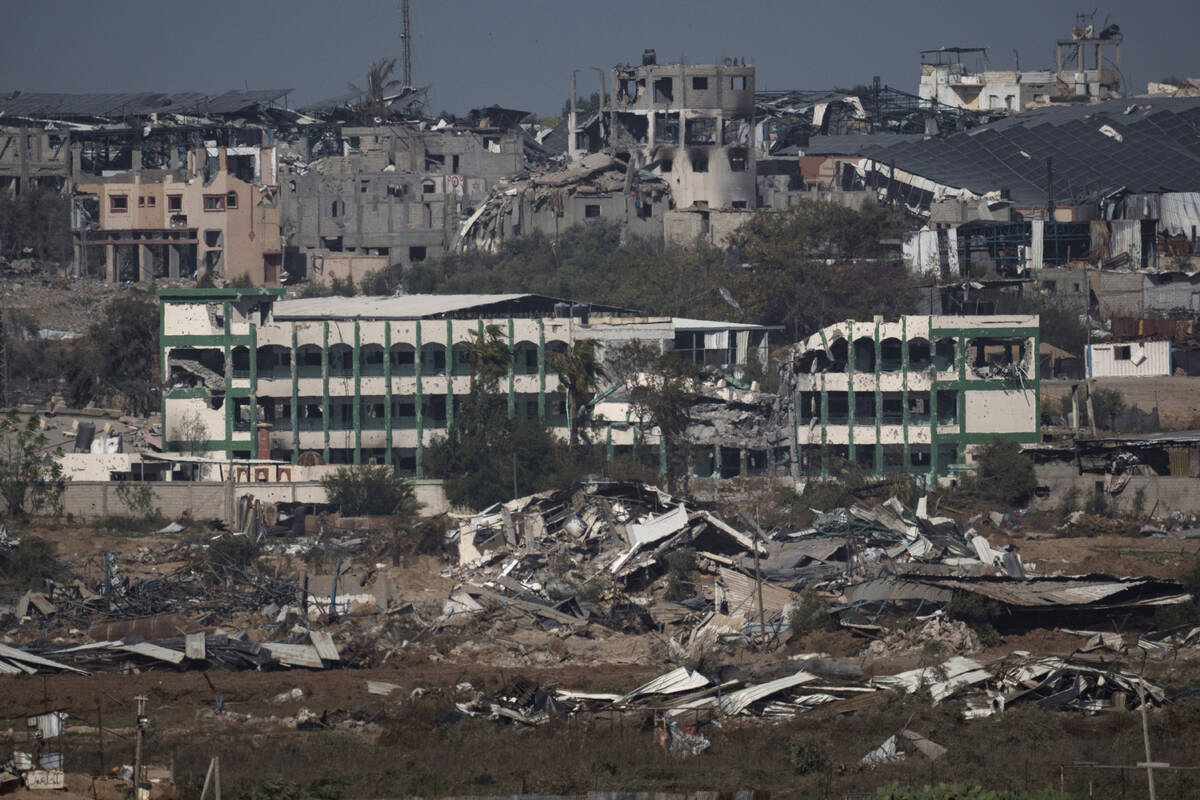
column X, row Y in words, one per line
column 295, row 398
column 878, row 405
column 417, row 400
column 962, row 377
column 449, row 374
column 824, row 430
column 850, row 407
column 254, row 389
column 357, row 412
column 541, row 355
column 228, row 383
column 326, row 410
column 387, row 392
column 608, row 445
column 512, row 368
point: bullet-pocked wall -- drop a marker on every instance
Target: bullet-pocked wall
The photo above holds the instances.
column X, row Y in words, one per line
column 693, row 127
column 914, row 395
column 375, row 380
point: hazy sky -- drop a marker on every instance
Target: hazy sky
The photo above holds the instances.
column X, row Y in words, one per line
column 520, row 53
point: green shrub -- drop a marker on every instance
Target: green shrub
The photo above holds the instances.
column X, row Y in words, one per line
column 807, row 756
column 367, row 489
column 1070, row 501
column 680, row 563
column 808, row 613
column 28, row 564
column 1097, row 504
column 1005, row 473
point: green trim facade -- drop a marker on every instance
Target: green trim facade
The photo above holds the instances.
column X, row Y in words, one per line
column 914, row 396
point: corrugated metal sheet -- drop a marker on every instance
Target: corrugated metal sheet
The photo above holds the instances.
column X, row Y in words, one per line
column 741, row 593
column 734, row 702
column 673, row 682
column 1132, row 359
column 55, row 105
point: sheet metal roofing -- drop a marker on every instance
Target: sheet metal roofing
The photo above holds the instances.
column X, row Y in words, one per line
column 424, row 306
column 55, row 105
column 1147, row 145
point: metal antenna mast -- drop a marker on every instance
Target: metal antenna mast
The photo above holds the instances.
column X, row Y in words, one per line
column 406, row 38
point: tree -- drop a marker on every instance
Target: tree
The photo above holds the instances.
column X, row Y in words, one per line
column 191, row 432
column 818, row 263
column 369, row 489
column 379, row 83
column 126, row 342
column 486, row 455
column 579, row 374
column 663, row 389
column 1107, row 403
column 29, row 473
column 1005, row 473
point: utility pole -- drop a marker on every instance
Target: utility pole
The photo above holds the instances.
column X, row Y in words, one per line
column 137, row 752
column 406, row 39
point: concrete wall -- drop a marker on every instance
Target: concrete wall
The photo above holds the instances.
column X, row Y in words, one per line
column 208, row 500
column 1163, row 493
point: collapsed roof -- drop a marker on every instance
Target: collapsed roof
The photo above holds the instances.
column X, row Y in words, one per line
column 1142, row 146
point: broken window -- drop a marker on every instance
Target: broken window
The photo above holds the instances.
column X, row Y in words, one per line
column 664, row 90
column 214, row 202
column 666, row 128
column 435, row 162
column 355, row 142
column 864, row 354
column 739, row 204
column 701, row 131
column 141, row 201
column 893, row 408
column 242, row 167
column 809, row 407
column 174, row 202
column 947, row 407
column 864, row 407
column 699, row 83
column 891, row 355
column 212, row 238
column 231, row 200
column 699, row 163
column 118, row 203
column 337, row 208
column 416, row 253
column 151, row 201
column 918, row 354
column 454, row 163
column 645, row 210
column 363, row 186
column 943, row 355
column 839, row 408
column 918, row 407
column 591, row 210
column 737, row 83
column 737, row 160
column 666, row 165
column 428, row 187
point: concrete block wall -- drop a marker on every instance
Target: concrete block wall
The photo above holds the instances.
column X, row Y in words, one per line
column 1163, row 493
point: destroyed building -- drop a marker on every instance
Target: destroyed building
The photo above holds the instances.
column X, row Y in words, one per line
column 915, row 395
column 391, row 195
column 670, row 154
column 152, row 176
column 1087, row 67
column 374, row 379
column 209, row 211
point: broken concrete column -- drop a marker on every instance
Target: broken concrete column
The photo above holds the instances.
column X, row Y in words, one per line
column 173, row 261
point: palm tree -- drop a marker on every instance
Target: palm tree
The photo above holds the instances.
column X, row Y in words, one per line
column 580, row 374
column 379, row 83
